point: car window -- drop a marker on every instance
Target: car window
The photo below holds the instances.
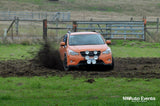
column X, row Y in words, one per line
column 88, row 39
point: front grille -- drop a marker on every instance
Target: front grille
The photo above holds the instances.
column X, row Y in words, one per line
column 91, row 53
column 99, row 62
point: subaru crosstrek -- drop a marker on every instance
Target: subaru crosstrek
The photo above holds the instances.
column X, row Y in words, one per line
column 85, row 48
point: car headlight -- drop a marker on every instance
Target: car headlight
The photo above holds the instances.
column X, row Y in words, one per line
column 108, row 51
column 73, row 53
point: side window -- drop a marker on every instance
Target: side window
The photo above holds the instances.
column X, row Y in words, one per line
column 65, row 39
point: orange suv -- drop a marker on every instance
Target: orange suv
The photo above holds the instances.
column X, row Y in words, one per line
column 85, row 48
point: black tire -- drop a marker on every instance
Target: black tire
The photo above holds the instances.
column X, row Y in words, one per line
column 112, row 65
column 65, row 67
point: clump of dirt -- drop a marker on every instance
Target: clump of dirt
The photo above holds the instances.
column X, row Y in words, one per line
column 91, row 80
column 49, row 57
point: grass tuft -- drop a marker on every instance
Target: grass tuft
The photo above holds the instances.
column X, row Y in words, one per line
column 5, row 97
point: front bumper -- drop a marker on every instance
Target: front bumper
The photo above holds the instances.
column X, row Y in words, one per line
column 103, row 59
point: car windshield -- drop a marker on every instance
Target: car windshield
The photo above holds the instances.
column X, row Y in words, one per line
column 88, row 39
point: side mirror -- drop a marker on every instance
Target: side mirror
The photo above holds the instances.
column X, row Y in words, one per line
column 108, row 42
column 62, row 44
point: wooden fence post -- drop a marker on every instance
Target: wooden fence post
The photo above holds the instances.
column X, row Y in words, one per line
column 57, row 20
column 91, row 26
column 157, row 24
column 131, row 19
column 32, row 14
column 145, row 29
column 17, row 25
column 12, row 33
column 5, row 36
column 74, row 26
column 45, row 29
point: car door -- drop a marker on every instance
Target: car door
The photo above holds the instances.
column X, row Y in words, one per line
column 62, row 49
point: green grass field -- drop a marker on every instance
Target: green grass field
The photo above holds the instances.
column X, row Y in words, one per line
column 119, row 6
column 17, row 51
column 128, row 48
column 68, row 91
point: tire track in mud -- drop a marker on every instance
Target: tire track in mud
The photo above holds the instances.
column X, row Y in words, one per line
column 124, row 67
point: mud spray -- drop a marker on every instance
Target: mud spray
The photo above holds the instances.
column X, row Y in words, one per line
column 49, row 56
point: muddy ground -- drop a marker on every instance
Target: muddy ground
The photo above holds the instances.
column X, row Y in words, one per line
column 124, row 67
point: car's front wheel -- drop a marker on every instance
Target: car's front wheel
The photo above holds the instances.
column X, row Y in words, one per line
column 111, row 67
column 66, row 68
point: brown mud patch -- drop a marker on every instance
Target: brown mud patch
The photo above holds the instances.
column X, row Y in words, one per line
column 124, row 67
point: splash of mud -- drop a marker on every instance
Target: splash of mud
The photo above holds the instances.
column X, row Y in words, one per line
column 49, row 57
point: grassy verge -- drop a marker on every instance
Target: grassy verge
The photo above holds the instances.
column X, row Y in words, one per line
column 122, row 6
column 68, row 91
column 119, row 48
column 77, row 5
column 17, row 51
column 135, row 52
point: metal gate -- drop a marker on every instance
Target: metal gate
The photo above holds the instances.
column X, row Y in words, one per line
column 115, row 29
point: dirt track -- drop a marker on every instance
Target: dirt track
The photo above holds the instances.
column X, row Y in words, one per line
column 124, row 67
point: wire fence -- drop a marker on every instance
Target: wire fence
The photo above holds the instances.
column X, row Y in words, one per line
column 51, row 16
column 33, row 29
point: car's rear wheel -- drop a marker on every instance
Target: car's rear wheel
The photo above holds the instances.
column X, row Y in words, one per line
column 66, row 68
